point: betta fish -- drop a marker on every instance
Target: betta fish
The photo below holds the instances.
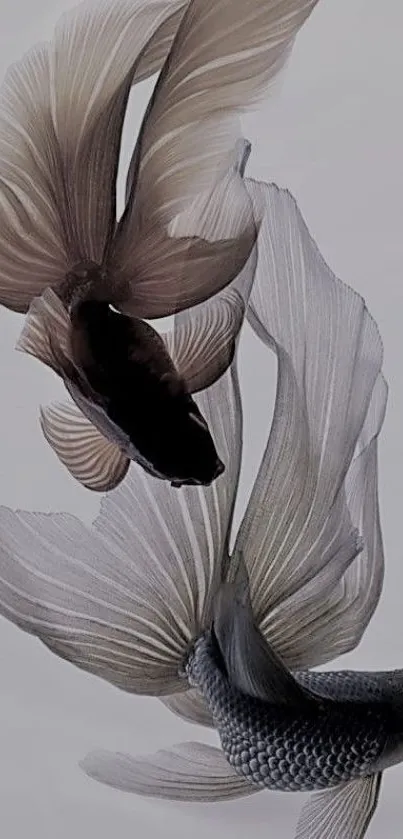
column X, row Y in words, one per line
column 151, row 599
column 185, row 244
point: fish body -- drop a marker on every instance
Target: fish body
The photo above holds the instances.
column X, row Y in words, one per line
column 131, row 376
column 383, row 686
column 349, row 728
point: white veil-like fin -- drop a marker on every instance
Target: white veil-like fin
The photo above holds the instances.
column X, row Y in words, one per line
column 308, row 519
column 62, row 108
column 345, row 811
column 186, row 772
column 189, row 226
column 189, row 706
column 331, row 612
column 203, row 340
column 94, row 461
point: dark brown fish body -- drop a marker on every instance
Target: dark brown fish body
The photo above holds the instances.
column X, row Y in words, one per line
column 127, row 366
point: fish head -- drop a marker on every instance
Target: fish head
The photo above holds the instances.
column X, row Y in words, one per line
column 197, row 460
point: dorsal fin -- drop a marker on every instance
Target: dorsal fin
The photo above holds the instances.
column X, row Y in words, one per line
column 252, row 665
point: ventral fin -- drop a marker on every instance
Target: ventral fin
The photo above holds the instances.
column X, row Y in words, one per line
column 341, row 813
column 186, row 772
column 190, row 706
column 97, row 463
column 252, row 665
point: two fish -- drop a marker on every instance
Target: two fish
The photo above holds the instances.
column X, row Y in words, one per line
column 187, row 235
column 181, row 622
column 226, row 640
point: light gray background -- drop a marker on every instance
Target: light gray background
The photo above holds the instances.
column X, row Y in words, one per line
column 333, row 134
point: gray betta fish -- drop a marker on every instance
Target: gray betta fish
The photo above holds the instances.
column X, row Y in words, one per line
column 88, row 279
column 151, row 600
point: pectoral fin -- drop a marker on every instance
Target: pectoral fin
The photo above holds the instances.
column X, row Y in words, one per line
column 203, row 340
column 186, row 772
column 45, row 333
column 252, row 665
column 341, row 813
column 97, row 463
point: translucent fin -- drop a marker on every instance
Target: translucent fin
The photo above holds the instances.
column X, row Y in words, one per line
column 331, row 613
column 341, row 813
column 46, row 336
column 187, row 157
column 186, row 772
column 208, row 214
column 190, row 706
column 83, row 438
column 45, row 333
column 218, row 64
column 203, row 340
column 124, row 598
column 62, row 108
column 202, row 343
column 94, row 52
column 200, row 253
column 157, row 48
column 251, row 664
column 151, row 61
column 299, row 533
column 90, row 458
column 33, row 253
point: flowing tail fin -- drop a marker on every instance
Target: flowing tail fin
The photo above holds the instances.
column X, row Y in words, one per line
column 186, row 193
column 62, row 108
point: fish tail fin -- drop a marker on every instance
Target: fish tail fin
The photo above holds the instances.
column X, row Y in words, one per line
column 58, row 187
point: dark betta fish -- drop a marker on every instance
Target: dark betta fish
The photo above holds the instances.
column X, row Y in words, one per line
column 121, row 358
column 187, row 230
column 150, row 599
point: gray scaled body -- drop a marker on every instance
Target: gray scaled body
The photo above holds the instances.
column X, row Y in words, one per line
column 345, row 725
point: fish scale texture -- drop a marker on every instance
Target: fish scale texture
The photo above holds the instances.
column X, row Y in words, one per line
column 286, row 749
column 354, row 686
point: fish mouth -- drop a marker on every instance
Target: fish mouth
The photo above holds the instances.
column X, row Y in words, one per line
column 186, row 482
column 219, row 469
